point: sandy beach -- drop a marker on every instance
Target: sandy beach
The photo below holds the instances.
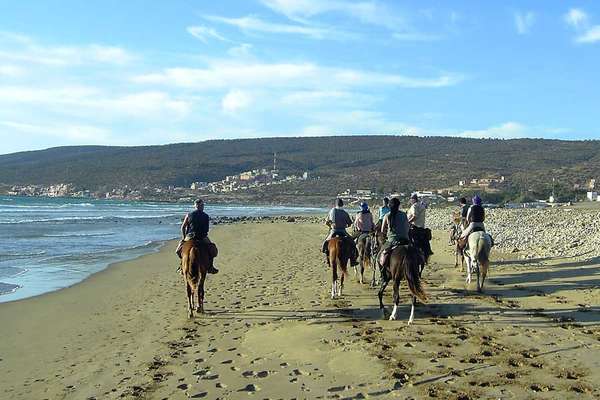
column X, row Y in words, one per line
column 272, row 332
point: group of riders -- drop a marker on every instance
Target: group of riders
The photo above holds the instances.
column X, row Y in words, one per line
column 397, row 226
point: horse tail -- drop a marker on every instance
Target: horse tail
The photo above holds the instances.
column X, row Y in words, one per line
column 411, row 267
column 481, row 254
column 191, row 272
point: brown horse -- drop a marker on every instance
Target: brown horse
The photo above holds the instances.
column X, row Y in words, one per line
column 404, row 264
column 339, row 256
column 194, row 266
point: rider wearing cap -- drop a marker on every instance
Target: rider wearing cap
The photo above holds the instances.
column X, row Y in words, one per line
column 363, row 222
column 475, row 217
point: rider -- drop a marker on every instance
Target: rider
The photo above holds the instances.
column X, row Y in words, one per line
column 464, row 209
column 384, row 209
column 395, row 226
column 475, row 218
column 416, row 218
column 338, row 220
column 363, row 222
column 195, row 227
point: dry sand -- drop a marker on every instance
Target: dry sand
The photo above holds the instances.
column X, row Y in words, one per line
column 272, row 332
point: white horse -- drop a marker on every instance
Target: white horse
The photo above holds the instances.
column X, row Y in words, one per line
column 477, row 256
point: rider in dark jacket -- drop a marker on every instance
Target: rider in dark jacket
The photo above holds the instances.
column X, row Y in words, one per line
column 195, row 226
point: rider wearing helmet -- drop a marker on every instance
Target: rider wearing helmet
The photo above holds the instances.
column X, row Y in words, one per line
column 363, row 222
column 475, row 218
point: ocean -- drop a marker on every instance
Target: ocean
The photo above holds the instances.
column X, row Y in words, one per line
column 48, row 244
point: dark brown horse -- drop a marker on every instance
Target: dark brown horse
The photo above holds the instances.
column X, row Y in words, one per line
column 339, row 256
column 404, row 264
column 194, row 266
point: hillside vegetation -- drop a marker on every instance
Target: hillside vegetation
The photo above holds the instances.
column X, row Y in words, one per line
column 375, row 162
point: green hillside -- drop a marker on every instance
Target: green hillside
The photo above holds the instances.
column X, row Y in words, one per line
column 388, row 162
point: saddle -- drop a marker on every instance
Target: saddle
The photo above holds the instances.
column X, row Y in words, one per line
column 211, row 248
column 384, row 256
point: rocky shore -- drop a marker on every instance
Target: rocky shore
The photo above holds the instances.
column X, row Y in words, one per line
column 537, row 233
column 529, row 233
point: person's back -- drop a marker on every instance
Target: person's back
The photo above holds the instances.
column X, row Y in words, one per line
column 477, row 213
column 417, row 212
column 340, row 219
column 398, row 227
column 198, row 224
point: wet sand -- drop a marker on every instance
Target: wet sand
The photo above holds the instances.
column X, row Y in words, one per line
column 271, row 330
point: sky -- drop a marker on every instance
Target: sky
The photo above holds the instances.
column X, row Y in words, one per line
column 135, row 72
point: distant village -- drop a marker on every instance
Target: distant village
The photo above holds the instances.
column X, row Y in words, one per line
column 265, row 177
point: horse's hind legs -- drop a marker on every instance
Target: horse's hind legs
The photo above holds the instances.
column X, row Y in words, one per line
column 384, row 283
column 412, row 310
column 190, row 300
column 396, row 298
column 200, row 306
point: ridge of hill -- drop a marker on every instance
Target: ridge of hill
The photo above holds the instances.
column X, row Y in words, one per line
column 377, row 162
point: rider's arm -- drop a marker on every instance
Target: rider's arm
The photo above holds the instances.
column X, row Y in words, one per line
column 411, row 214
column 384, row 224
column 469, row 216
column 184, row 227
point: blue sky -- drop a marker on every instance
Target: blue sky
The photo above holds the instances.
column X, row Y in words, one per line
column 139, row 72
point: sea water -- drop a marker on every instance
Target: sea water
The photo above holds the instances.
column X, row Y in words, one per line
column 51, row 243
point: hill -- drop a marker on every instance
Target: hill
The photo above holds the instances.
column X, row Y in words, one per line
column 377, row 162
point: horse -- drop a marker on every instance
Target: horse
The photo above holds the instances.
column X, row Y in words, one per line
column 339, row 256
column 455, row 232
column 478, row 257
column 377, row 240
column 364, row 246
column 420, row 238
column 194, row 267
column 404, row 263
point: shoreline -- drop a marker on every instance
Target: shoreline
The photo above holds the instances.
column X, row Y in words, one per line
column 150, row 247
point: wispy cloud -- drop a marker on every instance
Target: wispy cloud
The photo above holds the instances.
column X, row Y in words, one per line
column 204, row 33
column 20, row 48
column 251, row 24
column 524, row 21
column 580, row 22
column 577, row 18
column 373, row 13
column 291, row 75
column 82, row 133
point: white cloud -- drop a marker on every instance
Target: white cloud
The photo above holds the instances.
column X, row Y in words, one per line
column 255, row 24
column 85, row 133
column 82, row 99
column 524, row 22
column 19, row 48
column 368, row 12
column 513, row 130
column 11, row 71
column 235, row 100
column 356, row 122
column 203, row 33
column 592, row 35
column 300, row 75
column 577, row 18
